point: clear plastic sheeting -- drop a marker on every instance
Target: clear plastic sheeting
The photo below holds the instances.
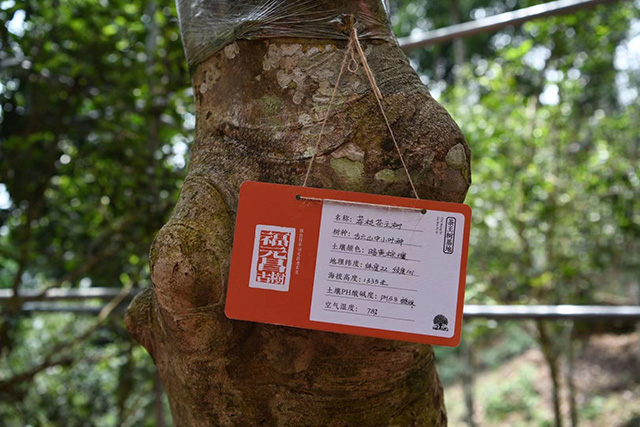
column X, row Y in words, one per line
column 209, row 25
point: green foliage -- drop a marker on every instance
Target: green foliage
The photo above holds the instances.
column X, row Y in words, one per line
column 96, row 111
column 556, row 171
column 90, row 126
column 518, row 395
column 492, row 344
column 556, row 174
column 594, row 408
column 110, row 382
column 555, row 167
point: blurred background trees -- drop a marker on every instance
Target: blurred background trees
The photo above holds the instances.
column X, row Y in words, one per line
column 95, row 117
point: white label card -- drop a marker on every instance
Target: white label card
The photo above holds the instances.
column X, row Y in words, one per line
column 388, row 268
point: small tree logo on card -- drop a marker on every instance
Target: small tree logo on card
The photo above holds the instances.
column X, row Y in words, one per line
column 272, row 257
column 440, row 323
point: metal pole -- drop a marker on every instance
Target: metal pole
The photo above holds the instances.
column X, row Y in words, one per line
column 492, row 23
column 552, row 311
column 498, row 312
column 53, row 294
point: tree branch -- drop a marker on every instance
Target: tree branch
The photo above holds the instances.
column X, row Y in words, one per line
column 74, row 274
column 9, row 386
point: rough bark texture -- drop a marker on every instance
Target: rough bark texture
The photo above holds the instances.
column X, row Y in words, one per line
column 259, row 106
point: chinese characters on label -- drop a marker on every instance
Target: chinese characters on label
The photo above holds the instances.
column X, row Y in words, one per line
column 387, row 268
column 272, row 257
column 352, row 263
column 450, row 235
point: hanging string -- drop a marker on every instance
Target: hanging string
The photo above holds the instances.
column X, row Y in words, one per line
column 324, row 122
column 378, row 94
column 351, row 202
column 354, row 46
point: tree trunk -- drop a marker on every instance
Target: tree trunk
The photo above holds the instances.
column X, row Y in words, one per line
column 259, row 107
column 571, row 384
column 553, row 362
column 468, row 381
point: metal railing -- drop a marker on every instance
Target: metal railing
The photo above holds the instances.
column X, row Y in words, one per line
column 495, row 22
column 54, row 301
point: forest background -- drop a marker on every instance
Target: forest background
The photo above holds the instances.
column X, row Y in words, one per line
column 96, row 115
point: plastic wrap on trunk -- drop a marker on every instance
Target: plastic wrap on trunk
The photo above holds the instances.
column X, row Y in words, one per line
column 209, row 25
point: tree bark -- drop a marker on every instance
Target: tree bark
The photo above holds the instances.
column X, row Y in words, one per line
column 467, row 361
column 570, row 375
column 259, row 107
column 553, row 362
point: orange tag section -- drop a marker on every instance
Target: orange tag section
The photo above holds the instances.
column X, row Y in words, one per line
column 354, row 263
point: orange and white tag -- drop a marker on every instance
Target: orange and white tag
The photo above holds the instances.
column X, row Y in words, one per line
column 354, row 263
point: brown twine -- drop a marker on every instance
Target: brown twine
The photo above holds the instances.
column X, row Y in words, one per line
column 351, row 202
column 324, row 122
column 354, row 46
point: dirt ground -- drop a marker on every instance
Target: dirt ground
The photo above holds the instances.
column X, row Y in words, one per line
column 518, row 393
